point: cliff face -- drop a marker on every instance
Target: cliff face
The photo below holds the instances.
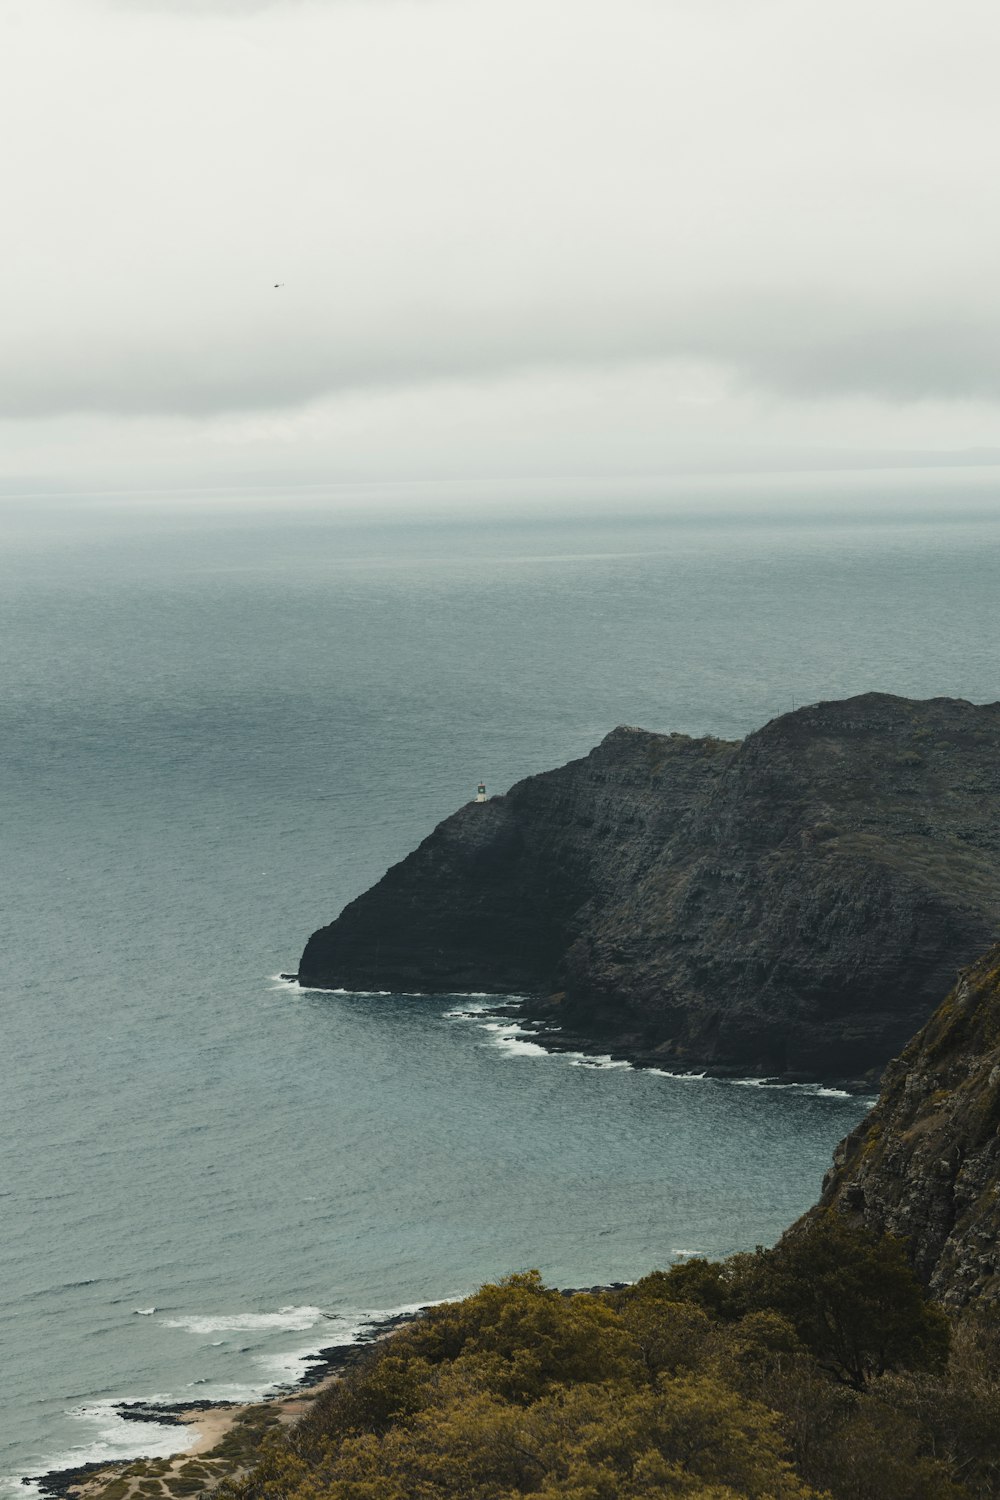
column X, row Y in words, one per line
column 791, row 905
column 493, row 898
column 925, row 1164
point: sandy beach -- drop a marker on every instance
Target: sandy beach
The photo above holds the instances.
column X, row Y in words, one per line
column 213, row 1425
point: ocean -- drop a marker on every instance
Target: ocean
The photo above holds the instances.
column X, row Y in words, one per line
column 219, row 728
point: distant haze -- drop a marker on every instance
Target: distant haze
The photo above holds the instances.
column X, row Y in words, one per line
column 528, row 241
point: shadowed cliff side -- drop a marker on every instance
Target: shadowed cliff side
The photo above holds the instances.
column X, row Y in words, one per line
column 925, row 1164
column 495, row 895
column 792, row 905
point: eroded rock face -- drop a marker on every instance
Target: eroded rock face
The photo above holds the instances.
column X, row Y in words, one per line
column 493, row 898
column 791, row 905
column 925, row 1164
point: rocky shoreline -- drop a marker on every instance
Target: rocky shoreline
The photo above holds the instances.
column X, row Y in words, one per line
column 556, row 1039
column 326, row 1364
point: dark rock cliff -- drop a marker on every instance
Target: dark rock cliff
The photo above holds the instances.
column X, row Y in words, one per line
column 925, row 1164
column 791, row 905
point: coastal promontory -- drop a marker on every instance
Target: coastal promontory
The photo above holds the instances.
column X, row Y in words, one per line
column 792, row 905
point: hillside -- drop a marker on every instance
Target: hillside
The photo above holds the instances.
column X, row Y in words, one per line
column 925, row 1164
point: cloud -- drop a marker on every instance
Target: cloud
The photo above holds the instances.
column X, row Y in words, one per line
column 794, row 200
column 197, row 8
column 599, row 430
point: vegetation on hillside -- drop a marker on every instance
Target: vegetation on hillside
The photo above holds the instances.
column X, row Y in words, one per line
column 816, row 1369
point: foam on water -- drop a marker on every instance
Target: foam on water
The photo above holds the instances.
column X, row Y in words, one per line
column 814, row 1090
column 292, row 986
column 291, row 1318
column 510, row 1040
column 595, row 1060
column 515, row 1040
column 109, row 1437
column 288, row 1367
column 282, row 982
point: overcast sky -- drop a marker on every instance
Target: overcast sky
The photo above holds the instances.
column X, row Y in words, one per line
column 517, row 239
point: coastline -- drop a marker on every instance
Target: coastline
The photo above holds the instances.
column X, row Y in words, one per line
column 214, row 1422
column 608, row 1050
column 555, row 1039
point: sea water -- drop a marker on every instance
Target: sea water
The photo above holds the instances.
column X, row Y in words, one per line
column 216, row 731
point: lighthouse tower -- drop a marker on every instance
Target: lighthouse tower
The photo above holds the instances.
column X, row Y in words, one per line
column 481, row 792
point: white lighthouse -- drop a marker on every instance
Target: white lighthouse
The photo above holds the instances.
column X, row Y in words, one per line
column 481, row 792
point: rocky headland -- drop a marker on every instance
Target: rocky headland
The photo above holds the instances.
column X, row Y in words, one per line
column 925, row 1164
column 792, row 905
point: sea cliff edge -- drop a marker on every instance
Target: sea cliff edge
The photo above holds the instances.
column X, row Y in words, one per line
column 790, row 906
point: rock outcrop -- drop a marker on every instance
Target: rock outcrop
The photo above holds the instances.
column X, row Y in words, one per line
column 925, row 1164
column 792, row 905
